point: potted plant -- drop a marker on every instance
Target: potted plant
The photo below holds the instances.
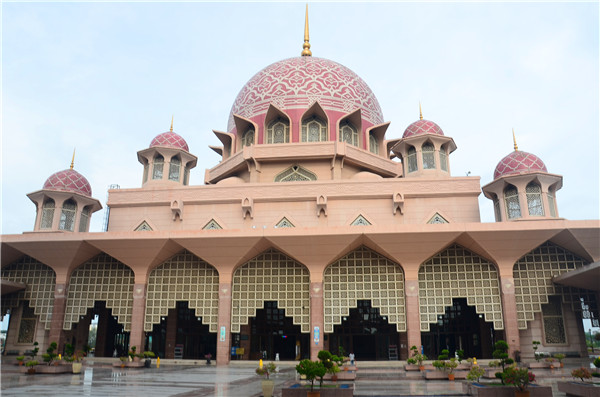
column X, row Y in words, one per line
column 582, row 388
column 311, row 370
column 418, row 357
column 267, row 384
column 31, row 366
column 475, row 373
column 520, row 378
column 560, row 357
column 536, row 355
column 148, row 356
column 330, row 363
column 449, row 366
column 208, row 357
column 550, row 361
column 501, row 355
column 133, row 354
column 50, row 354
column 20, row 359
column 123, row 359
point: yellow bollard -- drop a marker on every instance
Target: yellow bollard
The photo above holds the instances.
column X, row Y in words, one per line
column 260, row 364
column 59, row 356
column 158, row 362
column 474, row 360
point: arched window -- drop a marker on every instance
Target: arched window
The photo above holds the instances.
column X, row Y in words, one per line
column 511, row 198
column 411, row 159
column 47, row 214
column 552, row 204
column 174, row 169
column 534, row 199
column 443, row 159
column 157, row 170
column 373, row 145
column 348, row 133
column 248, row 138
column 85, row 218
column 294, row 174
column 278, row 131
column 67, row 216
column 428, row 156
column 314, row 130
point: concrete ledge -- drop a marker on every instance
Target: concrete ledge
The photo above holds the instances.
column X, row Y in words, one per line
column 482, row 390
column 298, row 390
column 411, row 367
column 342, row 376
column 129, row 364
column 580, row 389
column 49, row 369
column 440, row 375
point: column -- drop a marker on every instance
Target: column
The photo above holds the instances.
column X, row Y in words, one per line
column 137, row 335
column 224, row 330
column 413, row 316
column 509, row 312
column 316, row 319
column 57, row 333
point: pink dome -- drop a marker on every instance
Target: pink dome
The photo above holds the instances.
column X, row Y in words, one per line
column 170, row 139
column 296, row 83
column 68, row 181
column 421, row 127
column 519, row 162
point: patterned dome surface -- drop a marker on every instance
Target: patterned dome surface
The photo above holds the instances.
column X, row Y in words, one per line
column 296, row 83
column 519, row 162
column 68, row 181
column 170, row 139
column 420, row 127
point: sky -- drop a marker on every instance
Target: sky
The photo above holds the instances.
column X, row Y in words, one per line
column 105, row 78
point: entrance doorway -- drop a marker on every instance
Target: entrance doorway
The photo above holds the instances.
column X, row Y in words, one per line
column 365, row 333
column 272, row 333
column 460, row 328
column 110, row 336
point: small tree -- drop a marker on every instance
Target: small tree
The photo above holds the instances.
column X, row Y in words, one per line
column 475, row 373
column 50, row 354
column 266, row 370
column 500, row 353
column 536, row 344
column 581, row 373
column 311, row 370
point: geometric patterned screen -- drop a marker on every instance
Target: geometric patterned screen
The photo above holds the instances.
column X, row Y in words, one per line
column 102, row 278
column 40, row 281
column 185, row 277
column 533, row 283
column 459, row 273
column 364, row 274
column 271, row 276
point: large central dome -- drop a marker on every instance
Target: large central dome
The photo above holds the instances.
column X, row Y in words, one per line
column 296, row 83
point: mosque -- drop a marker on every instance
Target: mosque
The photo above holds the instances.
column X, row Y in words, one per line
column 316, row 230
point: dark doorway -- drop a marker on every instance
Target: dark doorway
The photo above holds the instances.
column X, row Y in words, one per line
column 460, row 328
column 110, row 335
column 365, row 333
column 272, row 332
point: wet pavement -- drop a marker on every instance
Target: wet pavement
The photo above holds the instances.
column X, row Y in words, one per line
column 99, row 378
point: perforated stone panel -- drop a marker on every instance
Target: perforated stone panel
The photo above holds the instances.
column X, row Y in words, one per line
column 533, row 283
column 102, row 278
column 185, row 277
column 459, row 273
column 271, row 276
column 40, row 281
column 363, row 274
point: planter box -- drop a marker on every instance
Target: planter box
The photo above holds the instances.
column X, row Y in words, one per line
column 463, row 367
column 481, row 390
column 297, row 390
column 343, row 376
column 578, row 389
column 439, row 375
column 130, row 364
column 411, row 367
column 490, row 373
column 538, row 365
column 49, row 369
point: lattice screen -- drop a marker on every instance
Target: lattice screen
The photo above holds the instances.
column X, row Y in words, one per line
column 364, row 275
column 271, row 276
column 102, row 278
column 459, row 273
column 40, row 282
column 533, row 283
column 185, row 277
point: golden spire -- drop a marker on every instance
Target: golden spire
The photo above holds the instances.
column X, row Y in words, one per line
column 73, row 159
column 306, row 46
column 171, row 123
column 420, row 112
column 515, row 140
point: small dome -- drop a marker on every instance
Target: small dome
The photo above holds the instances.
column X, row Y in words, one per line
column 170, row 139
column 421, row 127
column 519, row 162
column 68, row 181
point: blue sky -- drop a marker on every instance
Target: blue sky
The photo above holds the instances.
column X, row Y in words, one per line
column 106, row 78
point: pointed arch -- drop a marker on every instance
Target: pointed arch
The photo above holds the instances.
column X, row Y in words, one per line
column 360, row 221
column 314, row 125
column 143, row 227
column 212, row 225
column 277, row 126
column 295, row 173
column 284, row 222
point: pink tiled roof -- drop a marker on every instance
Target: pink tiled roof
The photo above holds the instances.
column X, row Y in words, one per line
column 68, row 181
column 519, row 162
column 420, row 127
column 170, row 139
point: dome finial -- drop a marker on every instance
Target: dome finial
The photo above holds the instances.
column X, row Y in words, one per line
column 171, row 123
column 73, row 159
column 515, row 140
column 420, row 112
column 306, row 46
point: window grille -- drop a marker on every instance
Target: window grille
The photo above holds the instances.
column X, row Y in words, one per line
column 248, row 138
column 360, row 221
column 428, row 156
column 157, row 171
column 212, row 225
column 174, row 169
column 67, row 216
column 437, row 218
column 554, row 323
column 412, row 159
column 511, row 198
column 278, row 132
column 47, row 214
column 348, row 133
column 294, row 174
column 314, row 130
column 443, row 160
column 284, row 222
column 534, row 199
column 143, row 227
column 373, row 145
column 552, row 204
column 85, row 217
